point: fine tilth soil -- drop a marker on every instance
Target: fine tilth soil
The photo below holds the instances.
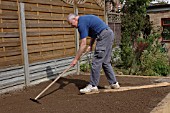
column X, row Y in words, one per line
column 64, row 97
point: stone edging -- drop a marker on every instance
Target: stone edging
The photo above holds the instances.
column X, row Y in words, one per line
column 163, row 106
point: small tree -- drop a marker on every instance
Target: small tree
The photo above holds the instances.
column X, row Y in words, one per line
column 136, row 36
column 133, row 23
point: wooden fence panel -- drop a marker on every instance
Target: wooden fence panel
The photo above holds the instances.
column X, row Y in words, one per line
column 48, row 34
column 10, row 46
column 46, row 29
column 50, row 40
column 90, row 7
column 114, row 21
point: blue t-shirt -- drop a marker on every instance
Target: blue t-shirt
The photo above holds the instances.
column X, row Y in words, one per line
column 90, row 25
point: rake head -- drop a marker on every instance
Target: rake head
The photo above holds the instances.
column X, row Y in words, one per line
column 34, row 100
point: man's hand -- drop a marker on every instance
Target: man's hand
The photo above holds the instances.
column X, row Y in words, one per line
column 89, row 49
column 73, row 63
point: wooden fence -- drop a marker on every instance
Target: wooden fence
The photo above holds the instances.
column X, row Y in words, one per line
column 114, row 21
column 35, row 38
column 48, row 35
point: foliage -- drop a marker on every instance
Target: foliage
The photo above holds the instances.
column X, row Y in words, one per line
column 154, row 63
column 166, row 34
column 85, row 67
column 115, row 57
column 140, row 51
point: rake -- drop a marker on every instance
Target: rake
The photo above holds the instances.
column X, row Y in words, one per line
column 36, row 98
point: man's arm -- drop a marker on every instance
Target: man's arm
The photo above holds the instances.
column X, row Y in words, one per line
column 79, row 52
column 92, row 40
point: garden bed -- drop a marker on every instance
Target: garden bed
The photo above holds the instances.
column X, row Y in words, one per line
column 64, row 97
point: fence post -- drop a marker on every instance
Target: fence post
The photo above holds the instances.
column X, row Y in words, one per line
column 77, row 38
column 105, row 13
column 23, row 36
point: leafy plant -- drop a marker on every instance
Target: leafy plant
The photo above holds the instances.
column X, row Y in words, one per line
column 116, row 57
column 140, row 51
column 166, row 34
column 154, row 63
column 85, row 67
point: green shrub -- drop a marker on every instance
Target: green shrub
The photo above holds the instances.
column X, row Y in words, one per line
column 116, row 56
column 85, row 67
column 154, row 63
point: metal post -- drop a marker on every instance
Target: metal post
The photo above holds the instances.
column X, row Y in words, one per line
column 23, row 36
column 77, row 38
column 105, row 13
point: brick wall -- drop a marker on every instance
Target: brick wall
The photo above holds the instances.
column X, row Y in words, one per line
column 155, row 18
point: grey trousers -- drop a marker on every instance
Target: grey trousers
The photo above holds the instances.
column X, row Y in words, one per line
column 102, row 57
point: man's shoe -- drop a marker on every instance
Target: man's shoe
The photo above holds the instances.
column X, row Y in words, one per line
column 113, row 86
column 89, row 88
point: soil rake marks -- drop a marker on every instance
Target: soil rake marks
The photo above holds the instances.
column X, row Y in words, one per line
column 36, row 98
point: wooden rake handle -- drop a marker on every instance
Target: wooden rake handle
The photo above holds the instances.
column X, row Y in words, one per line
column 55, row 80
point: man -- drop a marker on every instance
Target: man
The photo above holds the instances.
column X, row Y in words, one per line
column 94, row 27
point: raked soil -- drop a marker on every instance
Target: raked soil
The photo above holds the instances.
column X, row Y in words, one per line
column 64, row 97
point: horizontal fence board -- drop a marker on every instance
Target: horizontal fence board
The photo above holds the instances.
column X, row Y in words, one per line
column 48, row 9
column 46, row 22
column 37, row 58
column 10, row 21
column 8, row 7
column 11, row 58
column 44, row 25
column 41, row 17
column 4, row 16
column 43, row 30
column 16, row 48
column 9, row 44
column 7, row 2
column 34, row 49
column 59, row 29
column 10, row 61
column 10, row 53
column 9, row 34
column 47, row 33
column 9, row 12
column 9, row 30
column 9, row 25
column 54, row 40
column 91, row 12
column 47, row 2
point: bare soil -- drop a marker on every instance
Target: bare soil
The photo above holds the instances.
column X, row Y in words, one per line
column 64, row 97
